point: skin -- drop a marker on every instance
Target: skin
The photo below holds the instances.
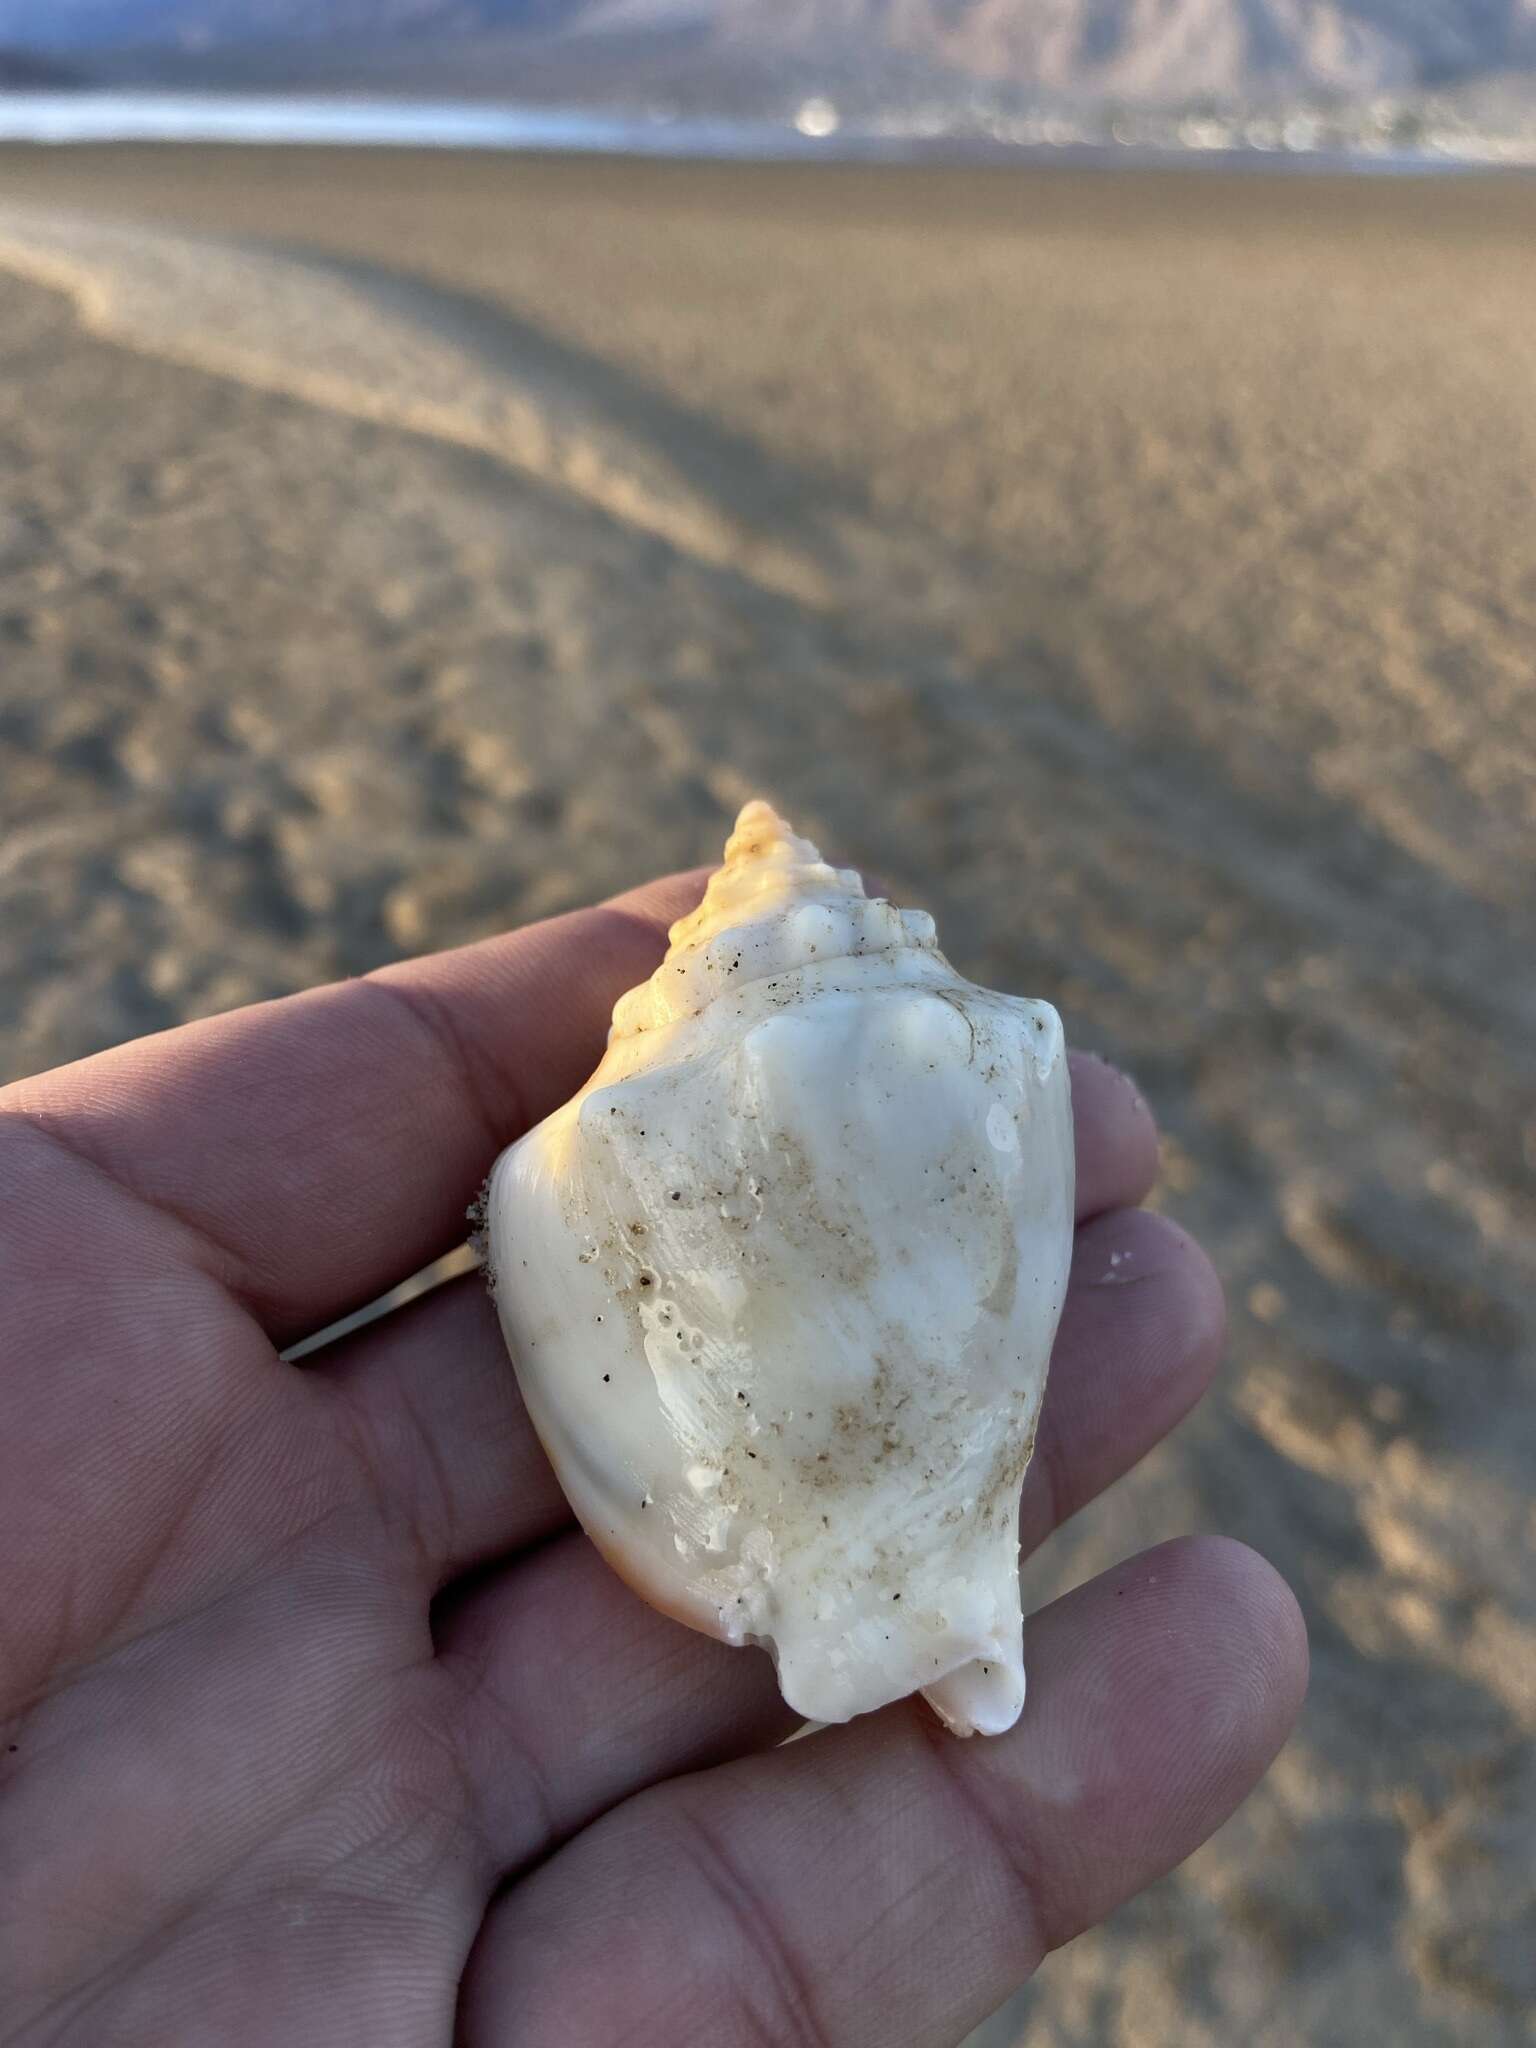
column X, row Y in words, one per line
column 318, row 1719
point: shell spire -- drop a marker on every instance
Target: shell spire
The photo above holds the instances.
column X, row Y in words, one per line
column 768, row 869
column 775, row 906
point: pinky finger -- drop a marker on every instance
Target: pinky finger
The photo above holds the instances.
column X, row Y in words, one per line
column 884, row 1883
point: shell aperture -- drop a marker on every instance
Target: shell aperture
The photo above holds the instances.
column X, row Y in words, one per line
column 780, row 1285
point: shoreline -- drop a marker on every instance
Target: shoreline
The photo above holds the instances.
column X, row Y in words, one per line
column 85, row 118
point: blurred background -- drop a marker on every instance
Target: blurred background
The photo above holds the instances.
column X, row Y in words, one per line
column 1076, row 458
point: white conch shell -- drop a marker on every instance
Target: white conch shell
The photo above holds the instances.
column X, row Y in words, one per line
column 781, row 1284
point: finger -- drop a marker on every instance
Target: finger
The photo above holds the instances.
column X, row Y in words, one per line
column 325, row 1146
column 626, row 1697
column 1142, row 1333
column 1116, row 1137
column 884, row 1882
column 432, row 1391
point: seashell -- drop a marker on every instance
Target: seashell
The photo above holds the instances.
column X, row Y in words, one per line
column 781, row 1282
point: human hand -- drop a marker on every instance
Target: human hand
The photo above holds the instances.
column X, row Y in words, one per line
column 321, row 1724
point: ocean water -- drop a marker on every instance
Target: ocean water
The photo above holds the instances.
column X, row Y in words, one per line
column 72, row 117
column 106, row 117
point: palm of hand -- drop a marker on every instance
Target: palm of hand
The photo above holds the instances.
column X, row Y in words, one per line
column 318, row 1722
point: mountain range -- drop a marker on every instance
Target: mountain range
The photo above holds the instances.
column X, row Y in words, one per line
column 1154, row 50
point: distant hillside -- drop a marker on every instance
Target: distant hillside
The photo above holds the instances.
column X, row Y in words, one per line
column 1142, row 49
column 1131, row 49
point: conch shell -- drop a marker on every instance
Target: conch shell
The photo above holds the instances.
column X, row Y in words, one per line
column 781, row 1283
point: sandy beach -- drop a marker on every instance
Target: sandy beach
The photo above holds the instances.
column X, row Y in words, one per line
column 1138, row 570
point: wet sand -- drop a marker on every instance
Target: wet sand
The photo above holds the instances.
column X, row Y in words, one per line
column 1137, row 570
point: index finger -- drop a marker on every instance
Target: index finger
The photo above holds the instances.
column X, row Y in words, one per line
column 324, row 1146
